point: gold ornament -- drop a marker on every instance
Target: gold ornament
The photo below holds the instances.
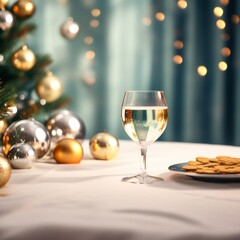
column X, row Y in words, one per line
column 68, row 151
column 3, row 126
column 3, row 3
column 104, row 146
column 23, row 8
column 5, row 171
column 49, row 88
column 23, row 59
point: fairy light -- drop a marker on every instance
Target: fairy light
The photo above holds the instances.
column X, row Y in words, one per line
column 95, row 12
column 222, row 66
column 225, row 37
column 94, row 23
column 90, row 55
column 226, row 52
column 224, row 2
column 160, row 16
column 178, row 44
column 221, row 24
column 202, row 71
column 63, row 2
column 235, row 19
column 147, row 21
column 218, row 11
column 178, row 59
column 182, row 4
column 88, row 40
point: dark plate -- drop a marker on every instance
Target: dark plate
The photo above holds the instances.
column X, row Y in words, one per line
column 177, row 168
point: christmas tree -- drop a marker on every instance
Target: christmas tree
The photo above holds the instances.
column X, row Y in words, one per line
column 27, row 88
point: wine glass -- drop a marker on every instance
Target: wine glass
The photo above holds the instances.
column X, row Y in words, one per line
column 144, row 117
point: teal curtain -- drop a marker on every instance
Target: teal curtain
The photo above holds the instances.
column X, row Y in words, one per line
column 136, row 49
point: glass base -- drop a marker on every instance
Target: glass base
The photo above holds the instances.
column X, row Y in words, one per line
column 142, row 179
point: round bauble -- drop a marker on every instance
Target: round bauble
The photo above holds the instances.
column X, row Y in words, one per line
column 23, row 59
column 22, row 156
column 5, row 171
column 49, row 88
column 23, row 8
column 69, row 29
column 6, row 20
column 104, row 146
column 3, row 3
column 65, row 124
column 27, row 131
column 3, row 126
column 68, row 151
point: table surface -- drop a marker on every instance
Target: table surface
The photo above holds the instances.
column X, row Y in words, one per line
column 89, row 201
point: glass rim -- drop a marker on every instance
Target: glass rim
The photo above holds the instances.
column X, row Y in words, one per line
column 144, row 91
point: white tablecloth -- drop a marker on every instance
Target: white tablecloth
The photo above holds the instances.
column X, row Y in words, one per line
column 89, row 201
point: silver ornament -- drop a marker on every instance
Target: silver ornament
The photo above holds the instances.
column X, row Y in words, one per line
column 6, row 20
column 27, row 131
column 65, row 124
column 69, row 29
column 22, row 156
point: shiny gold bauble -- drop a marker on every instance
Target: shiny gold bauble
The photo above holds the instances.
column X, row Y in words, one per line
column 104, row 146
column 49, row 87
column 23, row 59
column 3, row 126
column 68, row 151
column 5, row 171
column 3, row 3
column 23, row 8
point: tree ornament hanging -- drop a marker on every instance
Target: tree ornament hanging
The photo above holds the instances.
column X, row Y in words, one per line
column 49, row 87
column 23, row 59
column 69, row 29
column 6, row 20
column 3, row 3
column 23, row 9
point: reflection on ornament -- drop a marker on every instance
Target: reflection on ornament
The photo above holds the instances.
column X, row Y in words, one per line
column 23, row 8
column 68, row 151
column 22, row 156
column 11, row 109
column 5, row 171
column 49, row 88
column 3, row 126
column 104, row 146
column 65, row 124
column 6, row 20
column 1, row 58
column 69, row 29
column 27, row 131
column 3, row 3
column 23, row 59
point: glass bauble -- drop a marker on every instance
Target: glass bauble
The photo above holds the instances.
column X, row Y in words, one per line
column 49, row 87
column 69, row 29
column 104, row 146
column 27, row 131
column 6, row 20
column 23, row 8
column 22, row 156
column 5, row 171
column 65, row 124
column 23, row 59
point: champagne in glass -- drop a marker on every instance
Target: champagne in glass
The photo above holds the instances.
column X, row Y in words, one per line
column 144, row 117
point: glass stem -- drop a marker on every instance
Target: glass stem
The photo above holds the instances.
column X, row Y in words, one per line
column 143, row 165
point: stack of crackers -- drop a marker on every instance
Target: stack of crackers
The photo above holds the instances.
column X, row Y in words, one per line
column 217, row 165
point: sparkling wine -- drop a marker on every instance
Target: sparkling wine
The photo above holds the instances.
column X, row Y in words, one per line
column 144, row 125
